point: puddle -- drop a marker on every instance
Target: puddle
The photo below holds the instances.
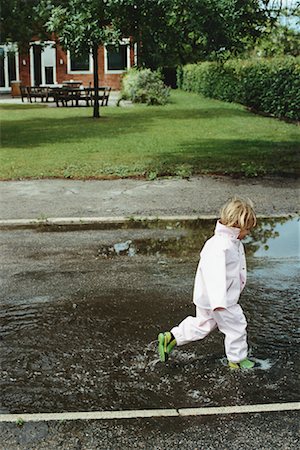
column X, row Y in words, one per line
column 272, row 238
column 81, row 311
column 281, row 238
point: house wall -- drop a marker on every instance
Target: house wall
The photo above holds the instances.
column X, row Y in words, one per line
column 105, row 79
column 24, row 69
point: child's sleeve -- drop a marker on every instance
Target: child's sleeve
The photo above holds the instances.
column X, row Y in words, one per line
column 213, row 267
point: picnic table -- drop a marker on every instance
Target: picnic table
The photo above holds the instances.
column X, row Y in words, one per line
column 72, row 83
column 66, row 95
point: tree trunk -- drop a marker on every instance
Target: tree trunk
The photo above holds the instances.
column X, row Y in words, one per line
column 96, row 113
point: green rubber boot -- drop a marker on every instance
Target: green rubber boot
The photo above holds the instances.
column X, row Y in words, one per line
column 245, row 364
column 165, row 345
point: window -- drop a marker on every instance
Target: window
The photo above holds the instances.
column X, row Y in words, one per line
column 117, row 58
column 12, row 70
column 8, row 66
column 49, row 75
column 2, row 68
column 79, row 63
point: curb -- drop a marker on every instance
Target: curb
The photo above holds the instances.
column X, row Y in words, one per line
column 99, row 223
column 117, row 220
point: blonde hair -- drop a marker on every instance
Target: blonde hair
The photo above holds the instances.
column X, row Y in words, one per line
column 238, row 213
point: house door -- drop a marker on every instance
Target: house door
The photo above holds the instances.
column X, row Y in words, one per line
column 43, row 63
column 9, row 70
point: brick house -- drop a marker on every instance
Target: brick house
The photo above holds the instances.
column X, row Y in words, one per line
column 48, row 64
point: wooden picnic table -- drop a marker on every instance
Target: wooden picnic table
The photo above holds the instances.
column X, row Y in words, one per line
column 65, row 95
column 72, row 83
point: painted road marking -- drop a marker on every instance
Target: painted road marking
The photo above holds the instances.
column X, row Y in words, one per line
column 147, row 413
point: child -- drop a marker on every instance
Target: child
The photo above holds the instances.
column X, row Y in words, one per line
column 220, row 278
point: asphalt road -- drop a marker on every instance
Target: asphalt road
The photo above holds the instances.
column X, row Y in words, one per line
column 276, row 431
column 80, row 314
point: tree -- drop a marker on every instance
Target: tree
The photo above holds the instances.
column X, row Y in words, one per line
column 82, row 27
column 19, row 22
column 172, row 32
column 278, row 41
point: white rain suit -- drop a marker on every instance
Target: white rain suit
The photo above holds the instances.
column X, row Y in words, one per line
column 220, row 279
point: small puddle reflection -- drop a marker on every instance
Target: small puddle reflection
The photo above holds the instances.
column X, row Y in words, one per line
column 276, row 238
column 94, row 348
column 273, row 238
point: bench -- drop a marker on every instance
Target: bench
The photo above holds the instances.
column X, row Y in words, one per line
column 65, row 94
column 34, row 92
column 88, row 94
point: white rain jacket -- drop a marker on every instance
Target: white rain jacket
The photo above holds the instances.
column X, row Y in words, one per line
column 221, row 273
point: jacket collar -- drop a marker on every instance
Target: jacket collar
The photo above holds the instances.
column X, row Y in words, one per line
column 230, row 232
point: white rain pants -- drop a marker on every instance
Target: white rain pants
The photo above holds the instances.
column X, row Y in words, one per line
column 230, row 321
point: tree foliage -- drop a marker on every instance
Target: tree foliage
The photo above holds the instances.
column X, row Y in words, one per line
column 19, row 22
column 172, row 32
column 278, row 41
column 82, row 25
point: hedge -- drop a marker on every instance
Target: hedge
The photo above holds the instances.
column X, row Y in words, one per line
column 269, row 86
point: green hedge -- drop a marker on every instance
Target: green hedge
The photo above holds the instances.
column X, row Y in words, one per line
column 267, row 85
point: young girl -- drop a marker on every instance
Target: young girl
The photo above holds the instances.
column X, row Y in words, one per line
column 220, row 279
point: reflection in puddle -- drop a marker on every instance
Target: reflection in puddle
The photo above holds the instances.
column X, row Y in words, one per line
column 273, row 238
column 276, row 238
column 85, row 337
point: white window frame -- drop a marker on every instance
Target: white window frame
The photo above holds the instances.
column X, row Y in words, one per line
column 135, row 54
column 7, row 48
column 106, row 70
column 52, row 43
column 79, row 72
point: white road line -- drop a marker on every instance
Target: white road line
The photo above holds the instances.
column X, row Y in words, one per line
column 146, row 413
column 265, row 407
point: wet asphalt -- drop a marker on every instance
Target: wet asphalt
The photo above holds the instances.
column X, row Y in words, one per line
column 80, row 313
column 80, row 310
column 272, row 431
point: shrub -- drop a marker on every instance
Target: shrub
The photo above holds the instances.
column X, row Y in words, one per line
column 144, row 86
column 266, row 85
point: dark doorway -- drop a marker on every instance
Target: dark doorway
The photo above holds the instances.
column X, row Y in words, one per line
column 12, row 72
column 37, row 62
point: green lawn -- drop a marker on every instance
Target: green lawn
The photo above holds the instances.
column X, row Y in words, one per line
column 191, row 135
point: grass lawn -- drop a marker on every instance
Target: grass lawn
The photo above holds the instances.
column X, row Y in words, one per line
column 191, row 135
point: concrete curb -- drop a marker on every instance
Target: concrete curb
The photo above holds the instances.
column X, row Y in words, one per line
column 147, row 413
column 117, row 220
column 97, row 220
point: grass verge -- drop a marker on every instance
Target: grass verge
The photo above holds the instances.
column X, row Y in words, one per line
column 191, row 135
